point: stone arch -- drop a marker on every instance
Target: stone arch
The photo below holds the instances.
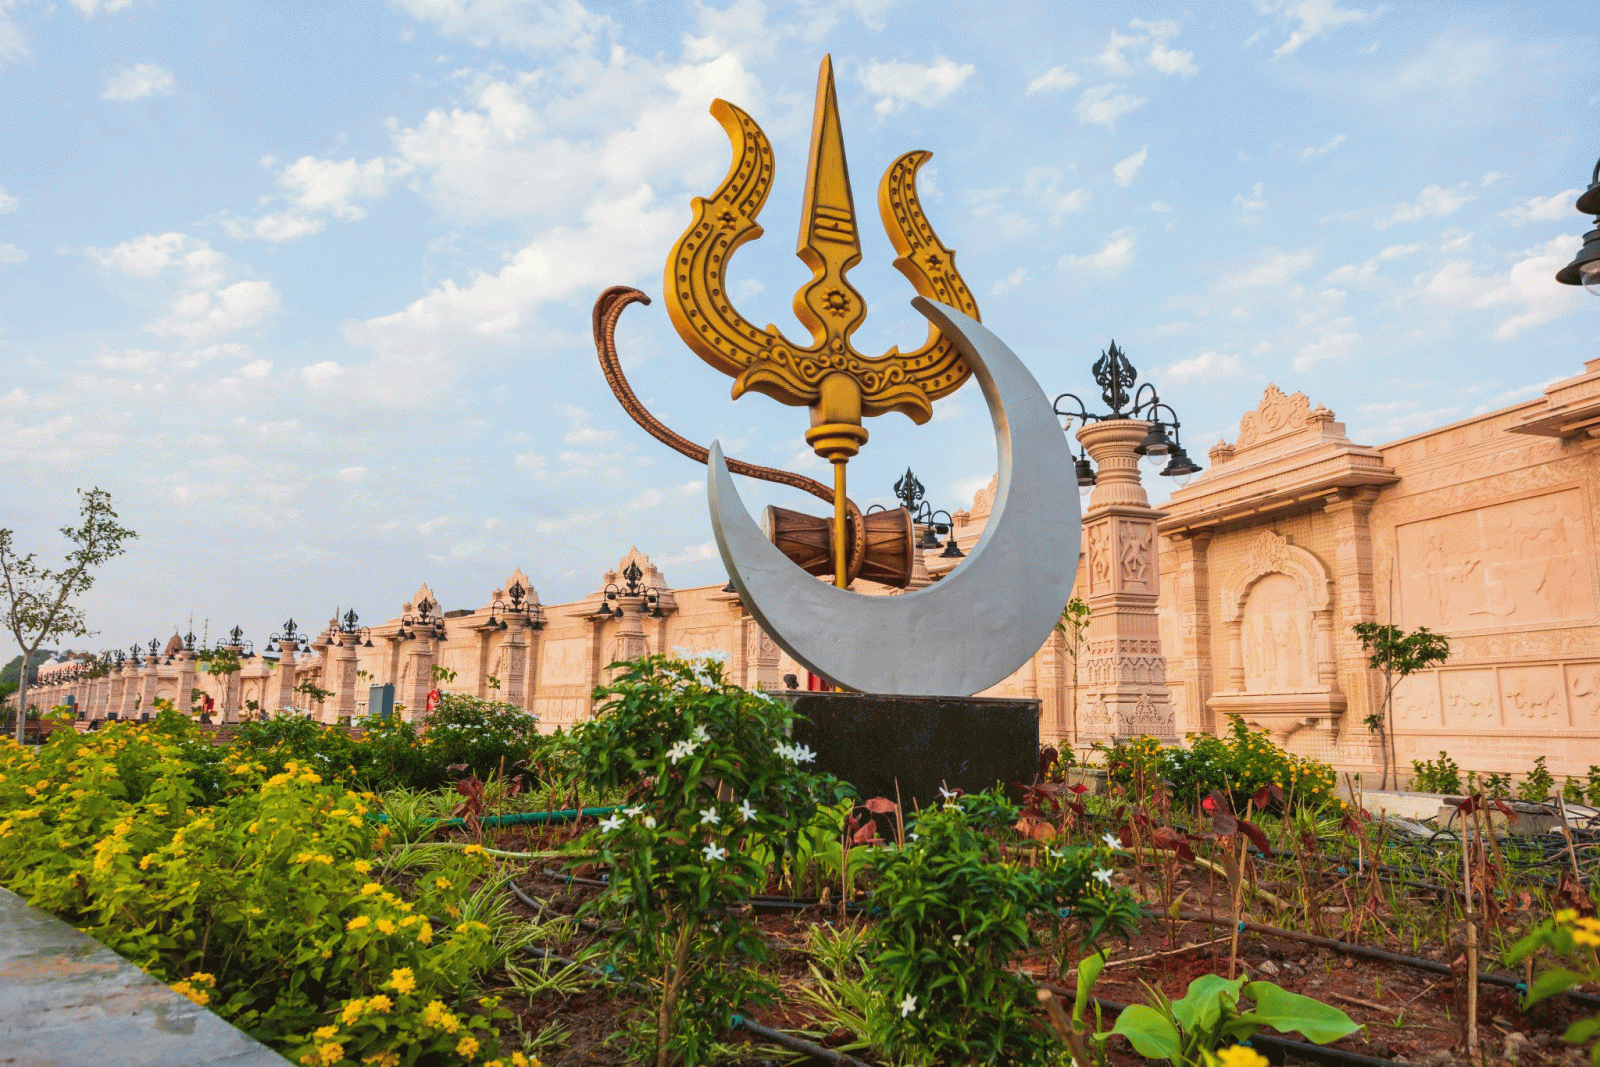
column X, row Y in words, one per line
column 1277, row 612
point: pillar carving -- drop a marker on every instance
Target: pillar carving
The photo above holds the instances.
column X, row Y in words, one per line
column 149, row 676
column 1350, row 511
column 340, row 656
column 416, row 677
column 1126, row 689
column 282, row 682
column 184, row 661
column 1193, row 597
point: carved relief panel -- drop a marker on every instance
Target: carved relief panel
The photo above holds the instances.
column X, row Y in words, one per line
column 1519, row 563
column 1098, row 538
column 1136, row 563
column 564, row 662
column 1278, row 645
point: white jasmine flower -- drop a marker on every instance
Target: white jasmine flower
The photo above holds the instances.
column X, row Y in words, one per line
column 948, row 794
column 908, row 1005
column 681, row 749
column 701, row 735
column 709, row 815
column 746, row 812
column 802, row 753
column 955, row 939
column 649, row 822
column 1111, row 841
column 712, row 852
column 614, row 822
column 913, row 836
column 634, row 812
column 1104, row 874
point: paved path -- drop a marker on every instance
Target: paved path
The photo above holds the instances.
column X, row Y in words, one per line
column 68, row 1001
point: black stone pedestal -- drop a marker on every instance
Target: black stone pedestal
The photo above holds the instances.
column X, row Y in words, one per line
column 967, row 743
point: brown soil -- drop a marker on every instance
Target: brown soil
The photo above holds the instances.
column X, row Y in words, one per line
column 1410, row 1016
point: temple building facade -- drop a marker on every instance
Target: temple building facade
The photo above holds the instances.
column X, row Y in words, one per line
column 1236, row 597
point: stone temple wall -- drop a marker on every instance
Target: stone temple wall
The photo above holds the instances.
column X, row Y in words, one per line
column 1483, row 530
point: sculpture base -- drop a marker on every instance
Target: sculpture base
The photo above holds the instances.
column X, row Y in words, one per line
column 923, row 743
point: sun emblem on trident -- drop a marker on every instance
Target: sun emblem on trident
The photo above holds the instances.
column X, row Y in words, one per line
column 838, row 384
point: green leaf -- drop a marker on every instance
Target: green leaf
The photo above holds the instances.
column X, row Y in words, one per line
column 1551, row 982
column 1202, row 1005
column 1581, row 1031
column 1286, row 1011
column 1148, row 1032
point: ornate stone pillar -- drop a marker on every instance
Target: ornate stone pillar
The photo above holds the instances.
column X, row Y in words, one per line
column 1193, row 597
column 339, row 654
column 149, row 675
column 281, row 684
column 1127, row 684
column 514, row 654
column 416, row 678
column 627, row 638
column 184, row 661
column 1350, row 511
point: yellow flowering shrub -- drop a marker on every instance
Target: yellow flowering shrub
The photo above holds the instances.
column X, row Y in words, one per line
column 255, row 898
column 1574, row 941
column 1242, row 761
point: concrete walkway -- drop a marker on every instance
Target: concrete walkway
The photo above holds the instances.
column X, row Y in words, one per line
column 68, row 1001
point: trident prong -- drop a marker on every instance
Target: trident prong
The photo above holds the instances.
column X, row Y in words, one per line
column 838, row 384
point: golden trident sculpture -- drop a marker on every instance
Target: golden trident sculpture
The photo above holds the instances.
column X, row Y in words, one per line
column 829, row 376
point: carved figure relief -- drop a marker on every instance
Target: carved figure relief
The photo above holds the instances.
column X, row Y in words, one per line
column 1517, row 563
column 1278, row 648
column 1136, row 549
column 1099, row 558
column 1532, row 696
column 1469, row 698
column 1416, row 701
column 565, row 662
column 1583, row 693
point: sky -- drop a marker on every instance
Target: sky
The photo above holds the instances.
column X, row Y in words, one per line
column 306, row 286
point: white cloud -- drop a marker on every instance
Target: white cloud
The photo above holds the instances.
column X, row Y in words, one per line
column 1323, row 149
column 1207, row 365
column 1113, row 257
column 91, row 7
column 1527, row 286
column 1434, row 202
column 204, row 307
column 8, row 203
column 1311, row 19
column 10, row 253
column 1556, row 207
column 897, row 84
column 318, row 188
column 1255, row 202
column 1009, row 282
column 1329, row 346
column 1054, row 78
column 1126, row 169
column 138, row 81
column 1159, row 56
column 1103, row 105
column 537, row 29
column 1275, row 270
column 1357, row 274
column 1042, row 185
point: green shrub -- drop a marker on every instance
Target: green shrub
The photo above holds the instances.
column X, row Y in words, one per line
column 954, row 919
column 714, row 787
column 1436, row 776
column 1241, row 762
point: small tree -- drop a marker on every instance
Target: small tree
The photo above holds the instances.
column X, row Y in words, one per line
column 1398, row 655
column 38, row 600
column 1074, row 627
column 222, row 661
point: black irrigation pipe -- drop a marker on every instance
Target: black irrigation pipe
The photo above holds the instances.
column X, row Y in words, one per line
column 759, row 902
column 1348, row 948
column 794, row 1044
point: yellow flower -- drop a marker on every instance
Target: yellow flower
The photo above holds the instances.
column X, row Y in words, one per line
column 401, row 980
column 382, row 1059
column 474, row 850
column 1239, row 1056
column 442, row 882
column 144, row 864
column 380, row 1003
column 1567, row 916
column 467, row 1047
column 352, row 1011
column 362, row 866
column 357, row 923
column 449, row 1023
column 330, row 1054
column 371, row 888
column 1586, row 937
column 432, row 1013
column 326, row 1032
column 519, row 1060
column 385, row 926
column 425, row 934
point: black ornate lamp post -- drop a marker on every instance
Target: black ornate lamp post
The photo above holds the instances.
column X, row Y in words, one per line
column 648, row 596
column 1116, row 377
column 910, row 492
column 350, row 629
column 1584, row 269
column 530, row 612
column 426, row 617
column 290, row 639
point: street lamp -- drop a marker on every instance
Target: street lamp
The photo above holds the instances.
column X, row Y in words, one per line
column 910, row 493
column 1116, row 378
column 432, row 624
column 1584, row 269
column 290, row 640
column 530, row 611
column 649, row 596
column 350, row 627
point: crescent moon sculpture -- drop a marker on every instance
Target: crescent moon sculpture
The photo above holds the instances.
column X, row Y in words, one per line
column 985, row 619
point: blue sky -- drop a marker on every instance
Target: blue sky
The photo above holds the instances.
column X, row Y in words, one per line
column 306, row 286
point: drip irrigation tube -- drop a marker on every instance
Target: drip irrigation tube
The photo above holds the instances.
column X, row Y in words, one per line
column 1506, row 981
column 794, row 1044
column 526, row 818
column 759, row 902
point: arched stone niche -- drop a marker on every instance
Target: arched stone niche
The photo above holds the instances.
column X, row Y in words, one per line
column 1277, row 613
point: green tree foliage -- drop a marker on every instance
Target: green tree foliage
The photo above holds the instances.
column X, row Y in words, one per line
column 1398, row 655
column 36, row 602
